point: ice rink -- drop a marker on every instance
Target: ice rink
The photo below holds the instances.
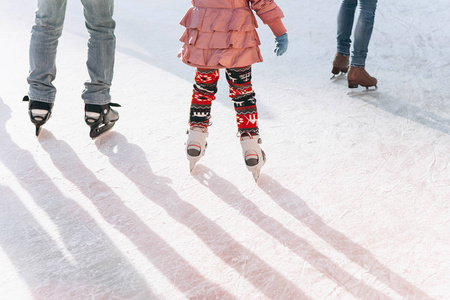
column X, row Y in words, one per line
column 353, row 202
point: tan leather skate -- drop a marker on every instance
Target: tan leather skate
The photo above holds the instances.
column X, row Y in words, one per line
column 359, row 76
column 340, row 64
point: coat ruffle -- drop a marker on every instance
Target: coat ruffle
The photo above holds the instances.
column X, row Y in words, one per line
column 220, row 39
column 224, row 36
column 219, row 58
column 219, row 19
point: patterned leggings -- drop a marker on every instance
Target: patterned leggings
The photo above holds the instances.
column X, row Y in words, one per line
column 240, row 92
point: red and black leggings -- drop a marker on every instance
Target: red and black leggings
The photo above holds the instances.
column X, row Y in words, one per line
column 240, row 92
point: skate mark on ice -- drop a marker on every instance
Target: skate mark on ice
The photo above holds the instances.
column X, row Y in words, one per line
column 414, row 113
column 299, row 209
column 231, row 195
column 37, row 257
column 161, row 255
column 131, row 160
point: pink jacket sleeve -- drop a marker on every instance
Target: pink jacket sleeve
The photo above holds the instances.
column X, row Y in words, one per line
column 267, row 10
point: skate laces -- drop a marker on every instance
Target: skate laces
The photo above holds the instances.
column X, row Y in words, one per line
column 242, row 135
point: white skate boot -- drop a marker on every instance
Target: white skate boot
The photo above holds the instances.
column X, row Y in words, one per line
column 253, row 155
column 196, row 144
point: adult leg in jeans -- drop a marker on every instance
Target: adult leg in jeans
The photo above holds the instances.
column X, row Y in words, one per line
column 100, row 64
column 48, row 27
column 345, row 20
column 363, row 32
column 357, row 75
column 101, row 50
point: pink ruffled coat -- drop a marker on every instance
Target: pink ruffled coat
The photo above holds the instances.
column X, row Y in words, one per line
column 222, row 33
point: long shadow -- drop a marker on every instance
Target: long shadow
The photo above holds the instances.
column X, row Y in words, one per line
column 298, row 208
column 90, row 264
column 174, row 267
column 28, row 245
column 230, row 194
column 131, row 160
column 47, row 270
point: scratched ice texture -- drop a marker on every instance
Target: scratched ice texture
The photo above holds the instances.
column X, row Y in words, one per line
column 353, row 202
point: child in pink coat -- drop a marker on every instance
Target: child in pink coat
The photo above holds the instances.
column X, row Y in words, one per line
column 221, row 34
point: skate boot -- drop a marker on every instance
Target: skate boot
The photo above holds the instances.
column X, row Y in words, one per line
column 340, row 64
column 196, row 144
column 100, row 118
column 39, row 112
column 359, row 76
column 254, row 157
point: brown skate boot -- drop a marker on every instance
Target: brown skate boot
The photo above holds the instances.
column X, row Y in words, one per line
column 359, row 76
column 340, row 64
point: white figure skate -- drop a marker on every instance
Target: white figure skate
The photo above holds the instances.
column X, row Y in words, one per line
column 253, row 155
column 196, row 144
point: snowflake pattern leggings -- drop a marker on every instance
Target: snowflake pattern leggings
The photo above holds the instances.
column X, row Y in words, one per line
column 240, row 92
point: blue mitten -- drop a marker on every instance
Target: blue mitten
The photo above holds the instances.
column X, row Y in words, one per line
column 281, row 44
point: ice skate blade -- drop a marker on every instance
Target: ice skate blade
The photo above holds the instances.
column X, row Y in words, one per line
column 192, row 165
column 338, row 76
column 193, row 160
column 256, row 175
column 38, row 130
column 360, row 92
column 97, row 131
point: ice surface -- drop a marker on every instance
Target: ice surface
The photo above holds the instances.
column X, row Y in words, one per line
column 353, row 202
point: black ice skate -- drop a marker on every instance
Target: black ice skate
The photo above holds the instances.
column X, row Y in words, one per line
column 254, row 156
column 100, row 118
column 39, row 112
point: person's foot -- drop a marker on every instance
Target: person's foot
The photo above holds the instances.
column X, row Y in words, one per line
column 254, row 156
column 100, row 118
column 340, row 64
column 39, row 112
column 196, row 144
column 359, row 76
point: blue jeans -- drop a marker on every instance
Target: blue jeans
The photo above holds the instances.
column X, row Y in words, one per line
column 363, row 30
column 45, row 33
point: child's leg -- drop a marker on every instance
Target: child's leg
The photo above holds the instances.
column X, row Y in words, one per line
column 205, row 88
column 243, row 97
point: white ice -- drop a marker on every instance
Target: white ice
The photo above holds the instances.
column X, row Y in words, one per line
column 353, row 202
